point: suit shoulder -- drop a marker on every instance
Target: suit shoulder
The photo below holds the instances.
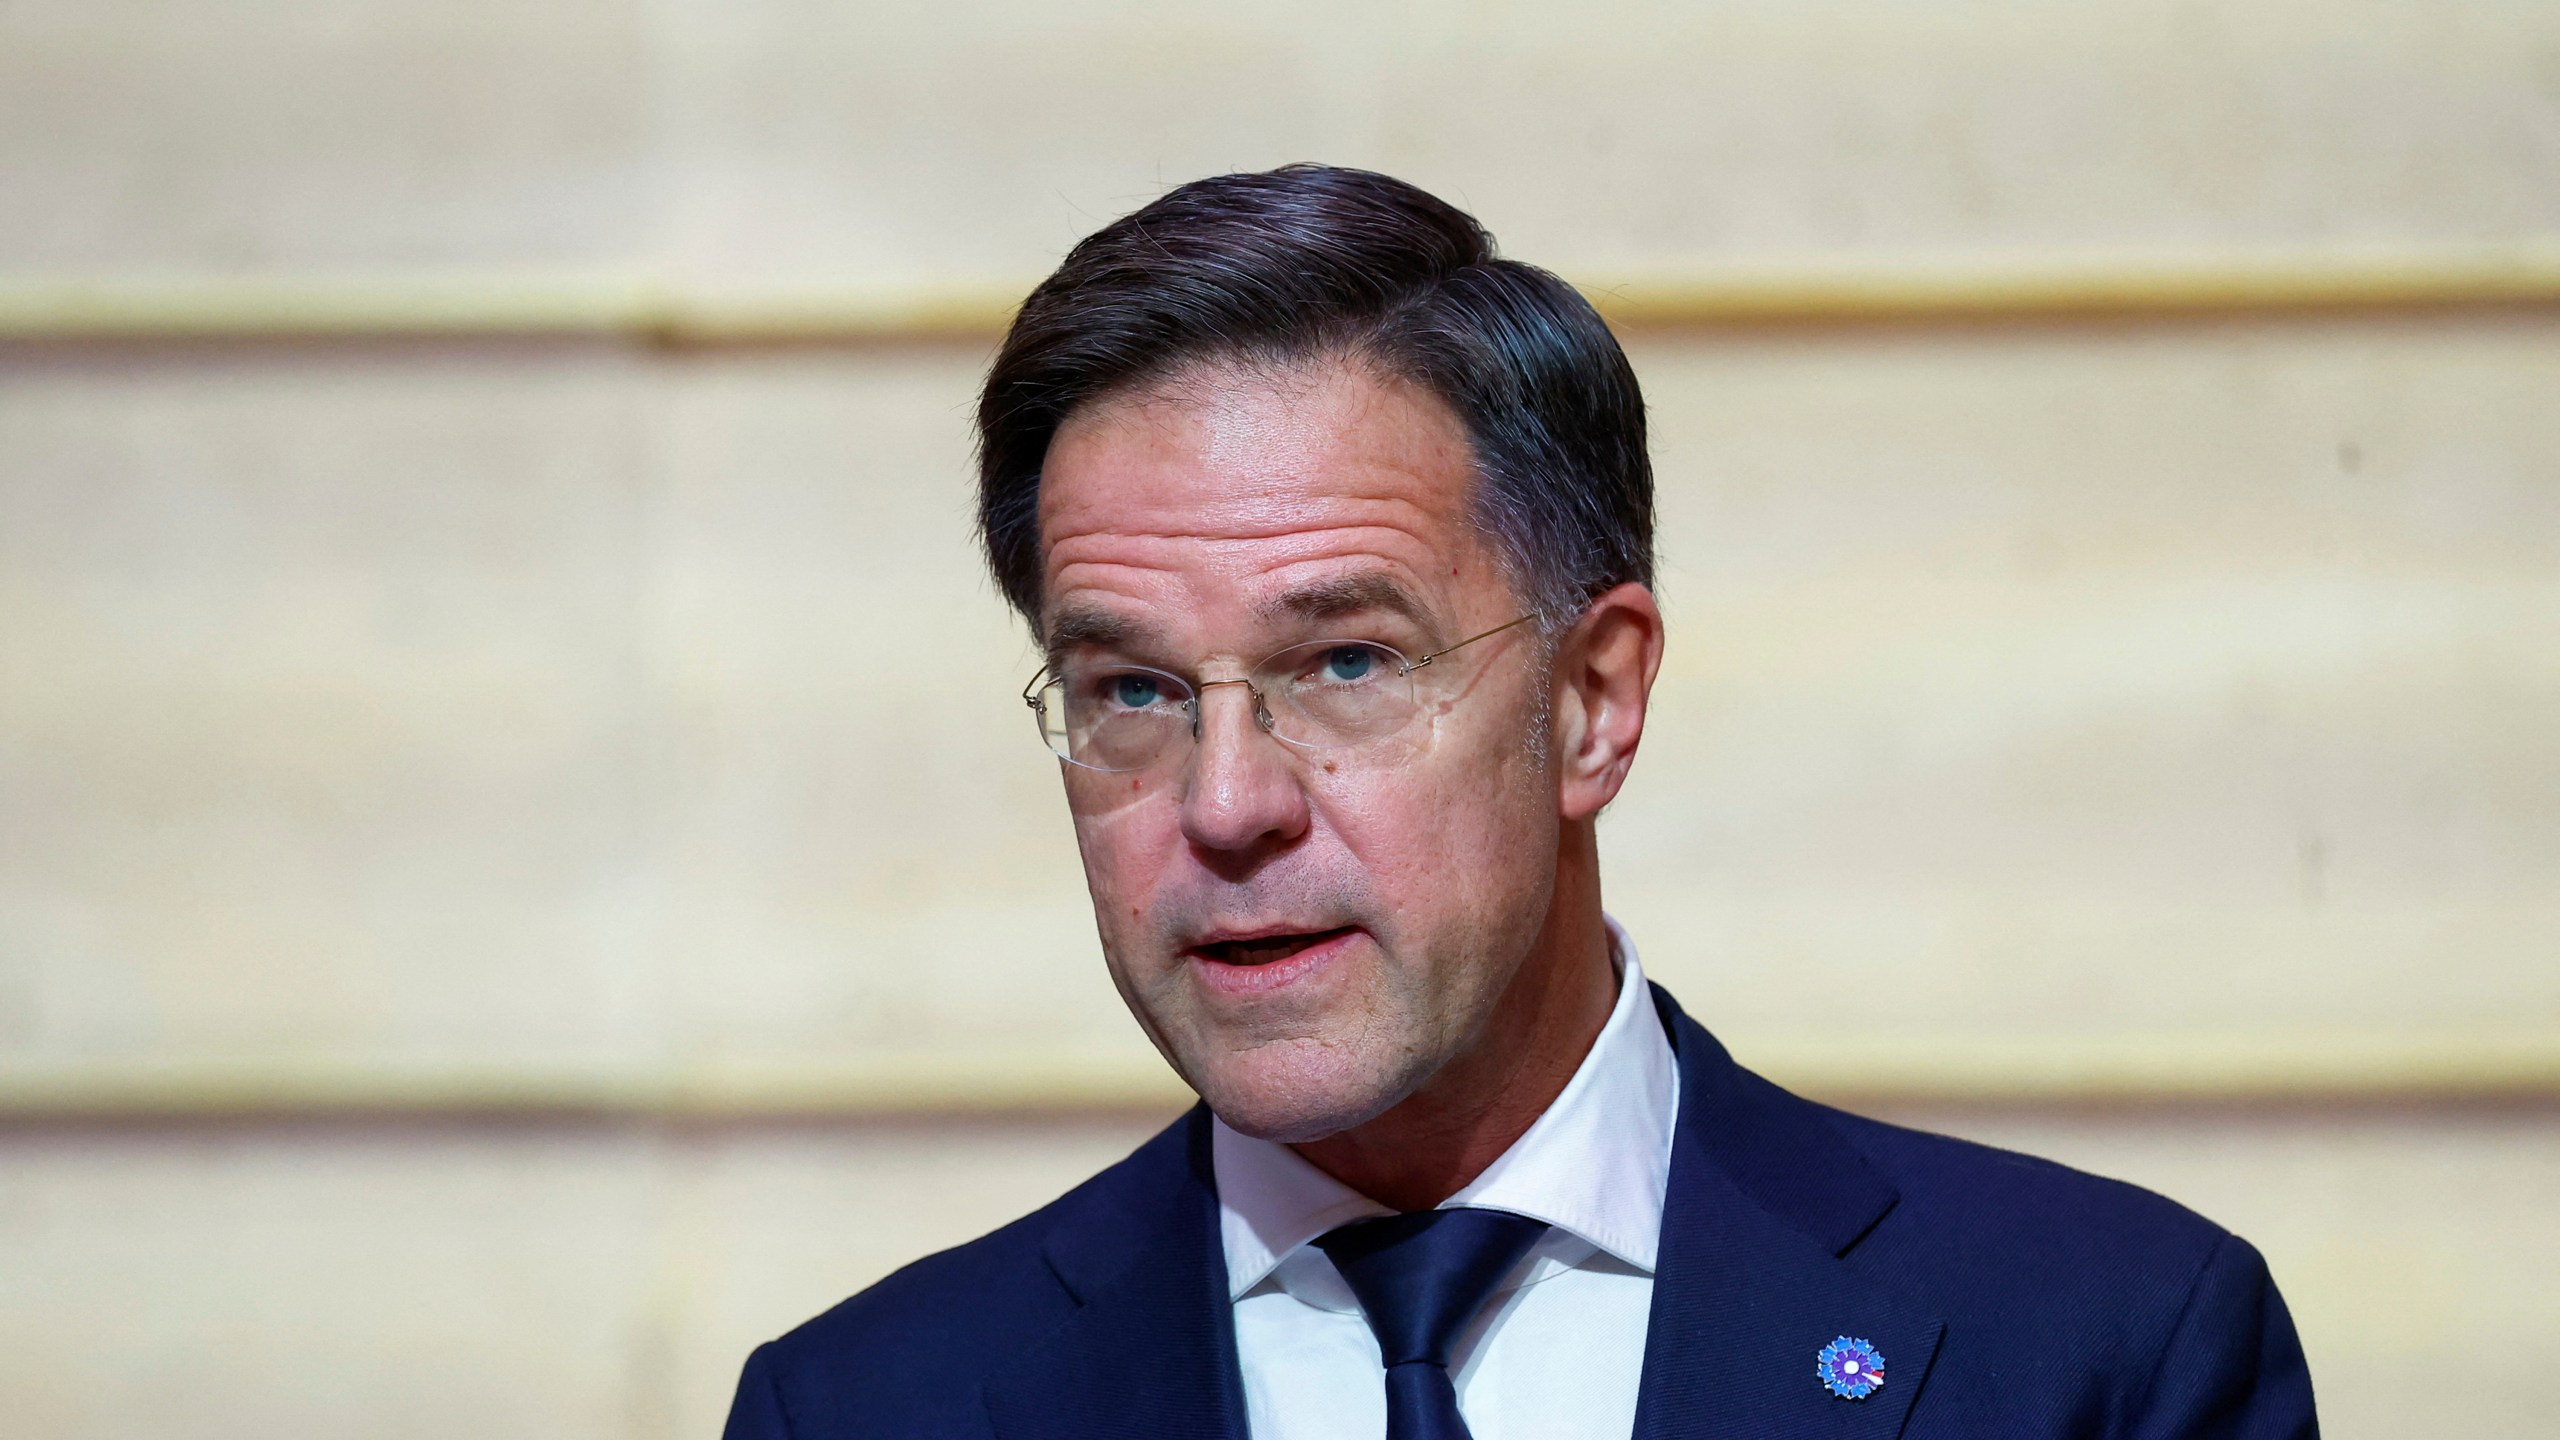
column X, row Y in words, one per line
column 2041, row 1243
column 914, row 1342
column 913, row 1299
column 2019, row 1196
column 2141, row 1315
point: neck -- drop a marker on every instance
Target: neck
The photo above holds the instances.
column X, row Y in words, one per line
column 1429, row 1145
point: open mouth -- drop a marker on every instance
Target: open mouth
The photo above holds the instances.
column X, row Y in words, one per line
column 1265, row 949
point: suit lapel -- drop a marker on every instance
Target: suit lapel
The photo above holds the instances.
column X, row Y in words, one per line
column 1766, row 1203
column 1755, row 1275
column 1151, row 1349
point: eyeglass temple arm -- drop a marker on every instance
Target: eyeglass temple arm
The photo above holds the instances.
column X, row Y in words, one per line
column 1470, row 640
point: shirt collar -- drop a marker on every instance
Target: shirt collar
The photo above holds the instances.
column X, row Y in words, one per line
column 1597, row 1164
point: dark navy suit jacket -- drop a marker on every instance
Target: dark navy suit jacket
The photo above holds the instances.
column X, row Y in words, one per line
column 2011, row 1298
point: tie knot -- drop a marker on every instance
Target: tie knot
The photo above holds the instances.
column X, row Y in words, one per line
column 1421, row 1276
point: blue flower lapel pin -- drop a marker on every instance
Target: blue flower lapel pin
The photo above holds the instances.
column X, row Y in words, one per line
column 1850, row 1369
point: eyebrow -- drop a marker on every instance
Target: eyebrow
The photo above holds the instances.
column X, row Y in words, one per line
column 1345, row 595
column 1097, row 628
column 1086, row 626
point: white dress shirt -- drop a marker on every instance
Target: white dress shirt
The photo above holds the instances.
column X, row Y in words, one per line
column 1559, row 1350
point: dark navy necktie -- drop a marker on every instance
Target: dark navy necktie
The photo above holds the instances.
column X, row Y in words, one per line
column 1421, row 1277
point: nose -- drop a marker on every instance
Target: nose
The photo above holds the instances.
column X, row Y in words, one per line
column 1241, row 801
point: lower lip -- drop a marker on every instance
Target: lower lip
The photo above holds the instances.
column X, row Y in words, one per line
column 1243, row 981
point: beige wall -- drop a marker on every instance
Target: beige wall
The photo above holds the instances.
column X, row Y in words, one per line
column 2137, row 707
column 749, row 140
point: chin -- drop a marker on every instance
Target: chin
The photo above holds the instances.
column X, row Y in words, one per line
column 1307, row 1091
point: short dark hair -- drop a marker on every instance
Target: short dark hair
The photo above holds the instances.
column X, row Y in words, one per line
column 1311, row 261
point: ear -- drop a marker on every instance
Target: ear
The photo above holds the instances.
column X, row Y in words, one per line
column 1604, row 671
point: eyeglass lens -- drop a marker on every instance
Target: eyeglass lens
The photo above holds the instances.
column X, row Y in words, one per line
column 1322, row 694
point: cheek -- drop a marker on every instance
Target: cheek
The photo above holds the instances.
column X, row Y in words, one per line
column 1129, row 838
column 1436, row 836
column 1489, row 813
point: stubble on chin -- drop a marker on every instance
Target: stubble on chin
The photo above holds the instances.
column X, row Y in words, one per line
column 1304, row 1077
column 1301, row 1090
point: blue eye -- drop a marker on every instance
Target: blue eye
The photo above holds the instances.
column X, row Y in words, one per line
column 1135, row 692
column 1345, row 663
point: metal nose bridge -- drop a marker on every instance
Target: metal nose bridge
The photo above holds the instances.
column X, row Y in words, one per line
column 1200, row 690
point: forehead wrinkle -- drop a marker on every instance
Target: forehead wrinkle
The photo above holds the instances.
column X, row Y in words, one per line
column 1091, row 557
column 1191, row 509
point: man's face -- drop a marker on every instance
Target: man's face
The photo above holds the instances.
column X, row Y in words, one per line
column 1307, row 934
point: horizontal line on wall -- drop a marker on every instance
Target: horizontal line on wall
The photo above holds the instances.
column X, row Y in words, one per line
column 2131, row 1072
column 64, row 309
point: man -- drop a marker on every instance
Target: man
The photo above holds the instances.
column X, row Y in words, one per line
column 1337, row 533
